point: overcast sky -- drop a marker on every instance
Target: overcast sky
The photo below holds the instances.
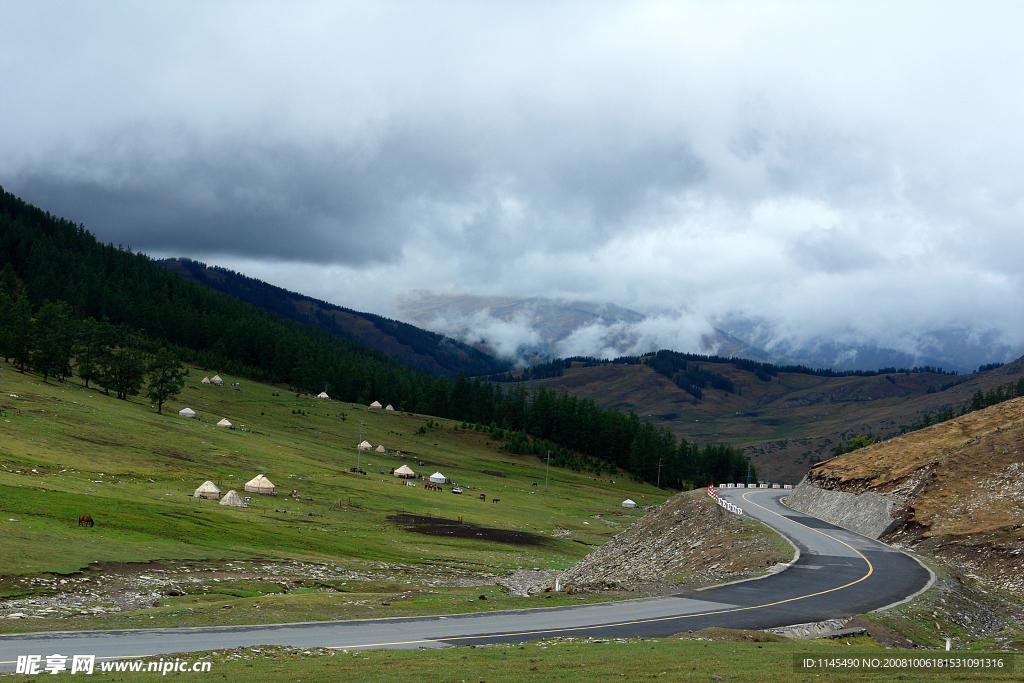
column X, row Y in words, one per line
column 837, row 170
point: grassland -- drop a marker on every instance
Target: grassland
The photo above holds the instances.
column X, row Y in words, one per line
column 333, row 553
column 67, row 451
column 730, row 656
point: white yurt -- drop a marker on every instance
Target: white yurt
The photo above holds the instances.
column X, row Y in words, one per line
column 207, row 490
column 438, row 478
column 216, row 380
column 259, row 484
column 628, row 503
column 404, row 472
column 206, row 380
column 224, row 423
column 322, row 394
column 232, row 499
column 375, row 405
column 365, row 446
column 187, row 412
column 380, row 449
column 389, row 407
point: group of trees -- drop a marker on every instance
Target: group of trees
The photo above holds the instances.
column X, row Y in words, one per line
column 112, row 357
column 687, row 375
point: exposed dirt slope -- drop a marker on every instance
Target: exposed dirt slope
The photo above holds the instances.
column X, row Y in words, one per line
column 688, row 539
column 960, row 487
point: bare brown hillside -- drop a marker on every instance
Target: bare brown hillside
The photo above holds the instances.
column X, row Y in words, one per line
column 959, row 488
column 785, row 425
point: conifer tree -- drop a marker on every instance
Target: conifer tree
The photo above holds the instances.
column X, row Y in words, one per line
column 165, row 378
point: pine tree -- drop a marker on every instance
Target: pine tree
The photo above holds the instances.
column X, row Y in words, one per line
column 124, row 370
column 52, row 340
column 165, row 378
column 21, row 332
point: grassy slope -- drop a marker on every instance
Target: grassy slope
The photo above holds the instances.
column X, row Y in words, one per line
column 712, row 654
column 134, row 472
column 785, row 424
column 73, row 451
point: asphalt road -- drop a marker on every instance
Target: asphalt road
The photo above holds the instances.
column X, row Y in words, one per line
column 838, row 574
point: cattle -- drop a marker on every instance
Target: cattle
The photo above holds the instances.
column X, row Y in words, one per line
column 85, row 520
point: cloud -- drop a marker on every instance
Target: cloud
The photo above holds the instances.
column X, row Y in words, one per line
column 831, row 171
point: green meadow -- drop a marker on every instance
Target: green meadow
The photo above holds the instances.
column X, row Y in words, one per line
column 67, row 451
column 711, row 655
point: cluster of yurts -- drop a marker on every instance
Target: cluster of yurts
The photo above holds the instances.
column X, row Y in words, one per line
column 258, row 484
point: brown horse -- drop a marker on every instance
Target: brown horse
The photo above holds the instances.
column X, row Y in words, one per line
column 85, row 520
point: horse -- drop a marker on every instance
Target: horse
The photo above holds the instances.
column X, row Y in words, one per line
column 494, row 500
column 85, row 520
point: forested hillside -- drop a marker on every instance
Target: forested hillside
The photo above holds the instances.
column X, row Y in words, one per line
column 67, row 301
column 408, row 344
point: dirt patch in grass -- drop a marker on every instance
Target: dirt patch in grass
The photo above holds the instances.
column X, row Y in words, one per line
column 435, row 526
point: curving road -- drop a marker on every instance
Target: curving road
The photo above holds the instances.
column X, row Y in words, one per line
column 838, row 574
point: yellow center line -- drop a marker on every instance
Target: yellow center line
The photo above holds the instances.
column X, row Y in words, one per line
column 652, row 620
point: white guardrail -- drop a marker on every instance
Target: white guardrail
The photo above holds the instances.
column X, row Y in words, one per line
column 724, row 503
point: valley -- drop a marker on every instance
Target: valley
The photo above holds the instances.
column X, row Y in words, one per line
column 789, row 423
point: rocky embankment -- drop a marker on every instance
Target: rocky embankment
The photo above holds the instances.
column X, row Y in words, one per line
column 687, row 542
column 954, row 491
column 128, row 587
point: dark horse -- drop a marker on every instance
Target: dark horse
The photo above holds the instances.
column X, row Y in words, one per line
column 85, row 520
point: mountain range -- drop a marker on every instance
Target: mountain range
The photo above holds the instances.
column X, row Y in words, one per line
column 527, row 330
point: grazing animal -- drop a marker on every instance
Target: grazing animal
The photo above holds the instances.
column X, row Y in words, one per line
column 494, row 500
column 534, row 483
column 483, row 497
column 85, row 520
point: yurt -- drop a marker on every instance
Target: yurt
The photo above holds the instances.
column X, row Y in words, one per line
column 207, row 490
column 206, row 380
column 438, row 478
column 628, row 503
column 216, row 380
column 224, row 423
column 259, row 484
column 389, row 407
column 404, row 472
column 322, row 394
column 380, row 449
column 375, row 405
column 187, row 412
column 232, row 499
column 365, row 446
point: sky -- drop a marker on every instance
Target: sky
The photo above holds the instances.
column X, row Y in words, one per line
column 849, row 172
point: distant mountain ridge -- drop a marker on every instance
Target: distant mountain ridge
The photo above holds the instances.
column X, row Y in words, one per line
column 530, row 330
column 407, row 343
column 786, row 421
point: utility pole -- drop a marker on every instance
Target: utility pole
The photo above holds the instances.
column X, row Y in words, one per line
column 547, row 471
column 359, row 446
column 659, row 473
